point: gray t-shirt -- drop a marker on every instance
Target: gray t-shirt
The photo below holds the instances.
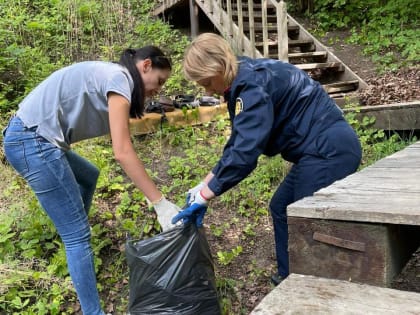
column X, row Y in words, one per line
column 71, row 104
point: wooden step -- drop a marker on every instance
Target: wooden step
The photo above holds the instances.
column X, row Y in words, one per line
column 304, row 57
column 292, row 30
column 257, row 15
column 305, row 294
column 337, row 66
column 292, row 43
column 340, row 87
column 255, row 6
column 294, row 46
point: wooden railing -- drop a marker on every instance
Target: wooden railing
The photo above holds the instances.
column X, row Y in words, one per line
column 221, row 14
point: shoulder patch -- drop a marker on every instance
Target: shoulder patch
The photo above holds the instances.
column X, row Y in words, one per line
column 239, row 106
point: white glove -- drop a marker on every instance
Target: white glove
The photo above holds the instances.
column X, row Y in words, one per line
column 193, row 191
column 165, row 211
column 199, row 199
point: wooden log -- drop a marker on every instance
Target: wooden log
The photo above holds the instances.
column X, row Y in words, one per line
column 151, row 122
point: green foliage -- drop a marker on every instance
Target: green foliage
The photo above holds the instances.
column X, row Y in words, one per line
column 376, row 144
column 388, row 30
column 226, row 257
column 38, row 37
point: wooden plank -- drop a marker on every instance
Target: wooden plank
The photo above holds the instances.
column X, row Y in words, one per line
column 257, row 14
column 397, row 116
column 365, row 252
column 255, row 5
column 310, row 54
column 386, row 192
column 339, row 242
column 343, row 86
column 299, row 294
column 376, row 208
column 292, row 43
column 165, row 5
column 324, row 65
column 271, row 27
column 151, row 122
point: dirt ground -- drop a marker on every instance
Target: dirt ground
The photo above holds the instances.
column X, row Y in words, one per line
column 254, row 267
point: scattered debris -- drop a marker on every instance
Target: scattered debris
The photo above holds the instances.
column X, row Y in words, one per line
column 392, row 87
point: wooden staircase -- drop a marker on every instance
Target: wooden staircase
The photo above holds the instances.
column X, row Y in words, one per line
column 252, row 28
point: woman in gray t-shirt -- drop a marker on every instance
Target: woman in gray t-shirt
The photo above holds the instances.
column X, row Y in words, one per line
column 82, row 101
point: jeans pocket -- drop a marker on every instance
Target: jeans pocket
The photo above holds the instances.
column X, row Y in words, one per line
column 15, row 154
column 48, row 151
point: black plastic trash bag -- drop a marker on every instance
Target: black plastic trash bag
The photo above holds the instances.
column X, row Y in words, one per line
column 172, row 273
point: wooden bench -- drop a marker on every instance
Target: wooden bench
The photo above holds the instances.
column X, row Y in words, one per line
column 300, row 294
column 363, row 228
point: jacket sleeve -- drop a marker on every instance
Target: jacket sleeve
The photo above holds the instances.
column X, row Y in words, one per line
column 251, row 129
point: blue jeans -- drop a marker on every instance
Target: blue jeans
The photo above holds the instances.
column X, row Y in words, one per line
column 335, row 154
column 64, row 184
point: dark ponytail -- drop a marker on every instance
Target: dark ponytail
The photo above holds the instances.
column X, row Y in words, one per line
column 128, row 59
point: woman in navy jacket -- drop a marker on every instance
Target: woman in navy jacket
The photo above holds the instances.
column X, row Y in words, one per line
column 274, row 108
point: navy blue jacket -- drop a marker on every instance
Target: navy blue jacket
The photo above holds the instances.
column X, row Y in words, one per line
column 274, row 108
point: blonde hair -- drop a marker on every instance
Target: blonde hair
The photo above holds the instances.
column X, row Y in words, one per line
column 209, row 55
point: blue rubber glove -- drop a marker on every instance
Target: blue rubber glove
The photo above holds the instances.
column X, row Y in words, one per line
column 194, row 212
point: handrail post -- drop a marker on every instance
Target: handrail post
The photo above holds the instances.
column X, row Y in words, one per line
column 282, row 34
column 229, row 12
column 241, row 27
column 251, row 20
column 265, row 27
column 193, row 18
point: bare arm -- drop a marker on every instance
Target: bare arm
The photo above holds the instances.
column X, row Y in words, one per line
column 122, row 146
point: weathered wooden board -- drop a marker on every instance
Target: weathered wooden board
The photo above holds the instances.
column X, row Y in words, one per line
column 300, row 294
column 364, row 252
column 386, row 192
column 399, row 116
column 151, row 122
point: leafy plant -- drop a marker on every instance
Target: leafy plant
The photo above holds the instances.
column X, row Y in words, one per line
column 388, row 30
column 226, row 257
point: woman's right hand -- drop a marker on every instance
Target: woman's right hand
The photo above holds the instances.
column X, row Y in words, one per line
column 165, row 211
